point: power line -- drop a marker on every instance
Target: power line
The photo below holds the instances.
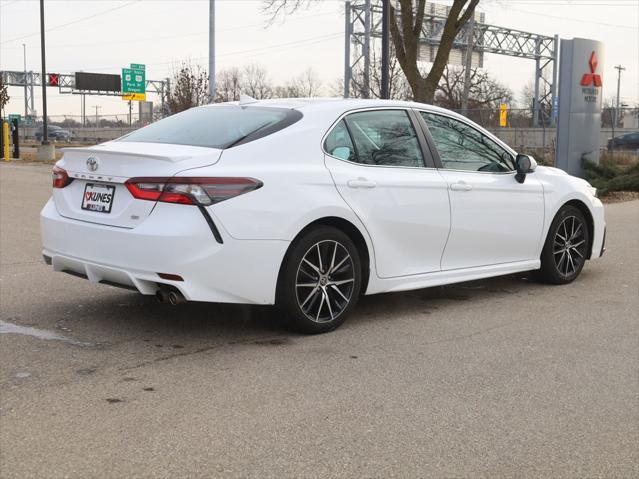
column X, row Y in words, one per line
column 72, row 22
column 293, row 44
column 170, row 37
column 546, row 15
column 613, row 3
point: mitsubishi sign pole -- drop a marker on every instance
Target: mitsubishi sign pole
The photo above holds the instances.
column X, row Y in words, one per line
column 211, row 51
column 580, row 85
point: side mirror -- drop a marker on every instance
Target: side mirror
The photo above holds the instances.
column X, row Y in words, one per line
column 524, row 164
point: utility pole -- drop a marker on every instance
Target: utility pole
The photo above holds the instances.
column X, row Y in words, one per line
column 84, row 110
column 368, row 13
column 97, row 107
column 385, row 49
column 619, row 69
column 469, row 62
column 26, row 99
column 211, row 51
column 45, row 132
column 347, row 48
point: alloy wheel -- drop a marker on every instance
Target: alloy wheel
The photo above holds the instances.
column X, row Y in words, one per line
column 324, row 281
column 569, row 246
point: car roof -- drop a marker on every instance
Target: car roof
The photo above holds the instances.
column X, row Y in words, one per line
column 336, row 105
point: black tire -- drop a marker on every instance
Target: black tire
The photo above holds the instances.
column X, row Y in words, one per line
column 566, row 248
column 305, row 284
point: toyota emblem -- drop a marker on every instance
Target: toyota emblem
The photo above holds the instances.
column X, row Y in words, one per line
column 92, row 163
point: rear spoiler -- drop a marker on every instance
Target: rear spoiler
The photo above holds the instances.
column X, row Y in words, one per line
column 95, row 151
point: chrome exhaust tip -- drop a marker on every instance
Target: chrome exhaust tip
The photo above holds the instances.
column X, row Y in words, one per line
column 175, row 298
column 162, row 296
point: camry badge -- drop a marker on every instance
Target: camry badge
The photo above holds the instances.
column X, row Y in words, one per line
column 92, row 163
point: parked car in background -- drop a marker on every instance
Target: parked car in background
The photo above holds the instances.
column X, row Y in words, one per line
column 55, row 133
column 628, row 141
column 308, row 204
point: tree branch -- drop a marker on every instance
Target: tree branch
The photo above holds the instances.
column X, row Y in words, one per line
column 470, row 10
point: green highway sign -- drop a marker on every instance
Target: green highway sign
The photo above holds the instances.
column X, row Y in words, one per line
column 15, row 116
column 134, row 82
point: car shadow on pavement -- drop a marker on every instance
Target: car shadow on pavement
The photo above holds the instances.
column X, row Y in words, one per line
column 115, row 316
column 427, row 300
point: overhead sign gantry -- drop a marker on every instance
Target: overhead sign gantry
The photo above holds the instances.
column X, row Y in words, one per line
column 84, row 83
column 363, row 24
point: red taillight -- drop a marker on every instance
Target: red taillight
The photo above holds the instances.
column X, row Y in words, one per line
column 60, row 177
column 190, row 190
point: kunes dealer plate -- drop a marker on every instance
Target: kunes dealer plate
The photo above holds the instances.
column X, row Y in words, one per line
column 98, row 198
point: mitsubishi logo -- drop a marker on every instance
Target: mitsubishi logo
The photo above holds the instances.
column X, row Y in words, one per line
column 92, row 163
column 591, row 78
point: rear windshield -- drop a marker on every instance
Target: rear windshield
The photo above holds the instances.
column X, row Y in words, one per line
column 216, row 127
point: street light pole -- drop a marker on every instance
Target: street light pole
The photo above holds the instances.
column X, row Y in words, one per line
column 45, row 132
column 470, row 29
column 211, row 51
column 26, row 100
column 385, row 49
column 619, row 70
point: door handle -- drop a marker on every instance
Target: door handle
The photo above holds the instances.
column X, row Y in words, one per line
column 361, row 183
column 461, row 186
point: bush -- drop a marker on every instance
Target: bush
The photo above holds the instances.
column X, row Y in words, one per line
column 608, row 176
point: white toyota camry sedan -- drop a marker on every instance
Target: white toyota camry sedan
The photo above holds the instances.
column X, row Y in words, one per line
column 308, row 204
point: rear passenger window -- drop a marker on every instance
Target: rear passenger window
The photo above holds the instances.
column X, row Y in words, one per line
column 339, row 144
column 378, row 138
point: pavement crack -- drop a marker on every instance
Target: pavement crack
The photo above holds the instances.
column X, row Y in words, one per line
column 167, row 357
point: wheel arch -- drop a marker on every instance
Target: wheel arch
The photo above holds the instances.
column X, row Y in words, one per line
column 590, row 222
column 348, row 228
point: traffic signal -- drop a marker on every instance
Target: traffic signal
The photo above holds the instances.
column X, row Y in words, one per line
column 54, row 79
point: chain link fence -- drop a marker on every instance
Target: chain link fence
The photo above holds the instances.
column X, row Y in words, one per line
column 519, row 131
column 521, row 134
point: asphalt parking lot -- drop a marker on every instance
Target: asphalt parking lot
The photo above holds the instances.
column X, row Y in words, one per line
column 498, row 378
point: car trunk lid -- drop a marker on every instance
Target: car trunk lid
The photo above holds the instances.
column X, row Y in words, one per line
column 97, row 192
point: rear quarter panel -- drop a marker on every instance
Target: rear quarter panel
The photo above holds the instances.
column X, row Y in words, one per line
column 297, row 188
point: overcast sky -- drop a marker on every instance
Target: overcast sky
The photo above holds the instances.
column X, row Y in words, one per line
column 103, row 36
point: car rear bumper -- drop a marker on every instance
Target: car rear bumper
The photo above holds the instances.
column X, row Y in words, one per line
column 173, row 239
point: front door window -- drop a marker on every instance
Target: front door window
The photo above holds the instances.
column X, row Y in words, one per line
column 461, row 147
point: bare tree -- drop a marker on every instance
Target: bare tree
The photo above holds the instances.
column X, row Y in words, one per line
column 306, row 85
column 256, row 83
column 406, row 39
column 528, row 97
column 4, row 95
column 406, row 29
column 229, row 84
column 253, row 80
column 189, row 88
column 484, row 90
column 275, row 8
column 609, row 113
column 399, row 87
